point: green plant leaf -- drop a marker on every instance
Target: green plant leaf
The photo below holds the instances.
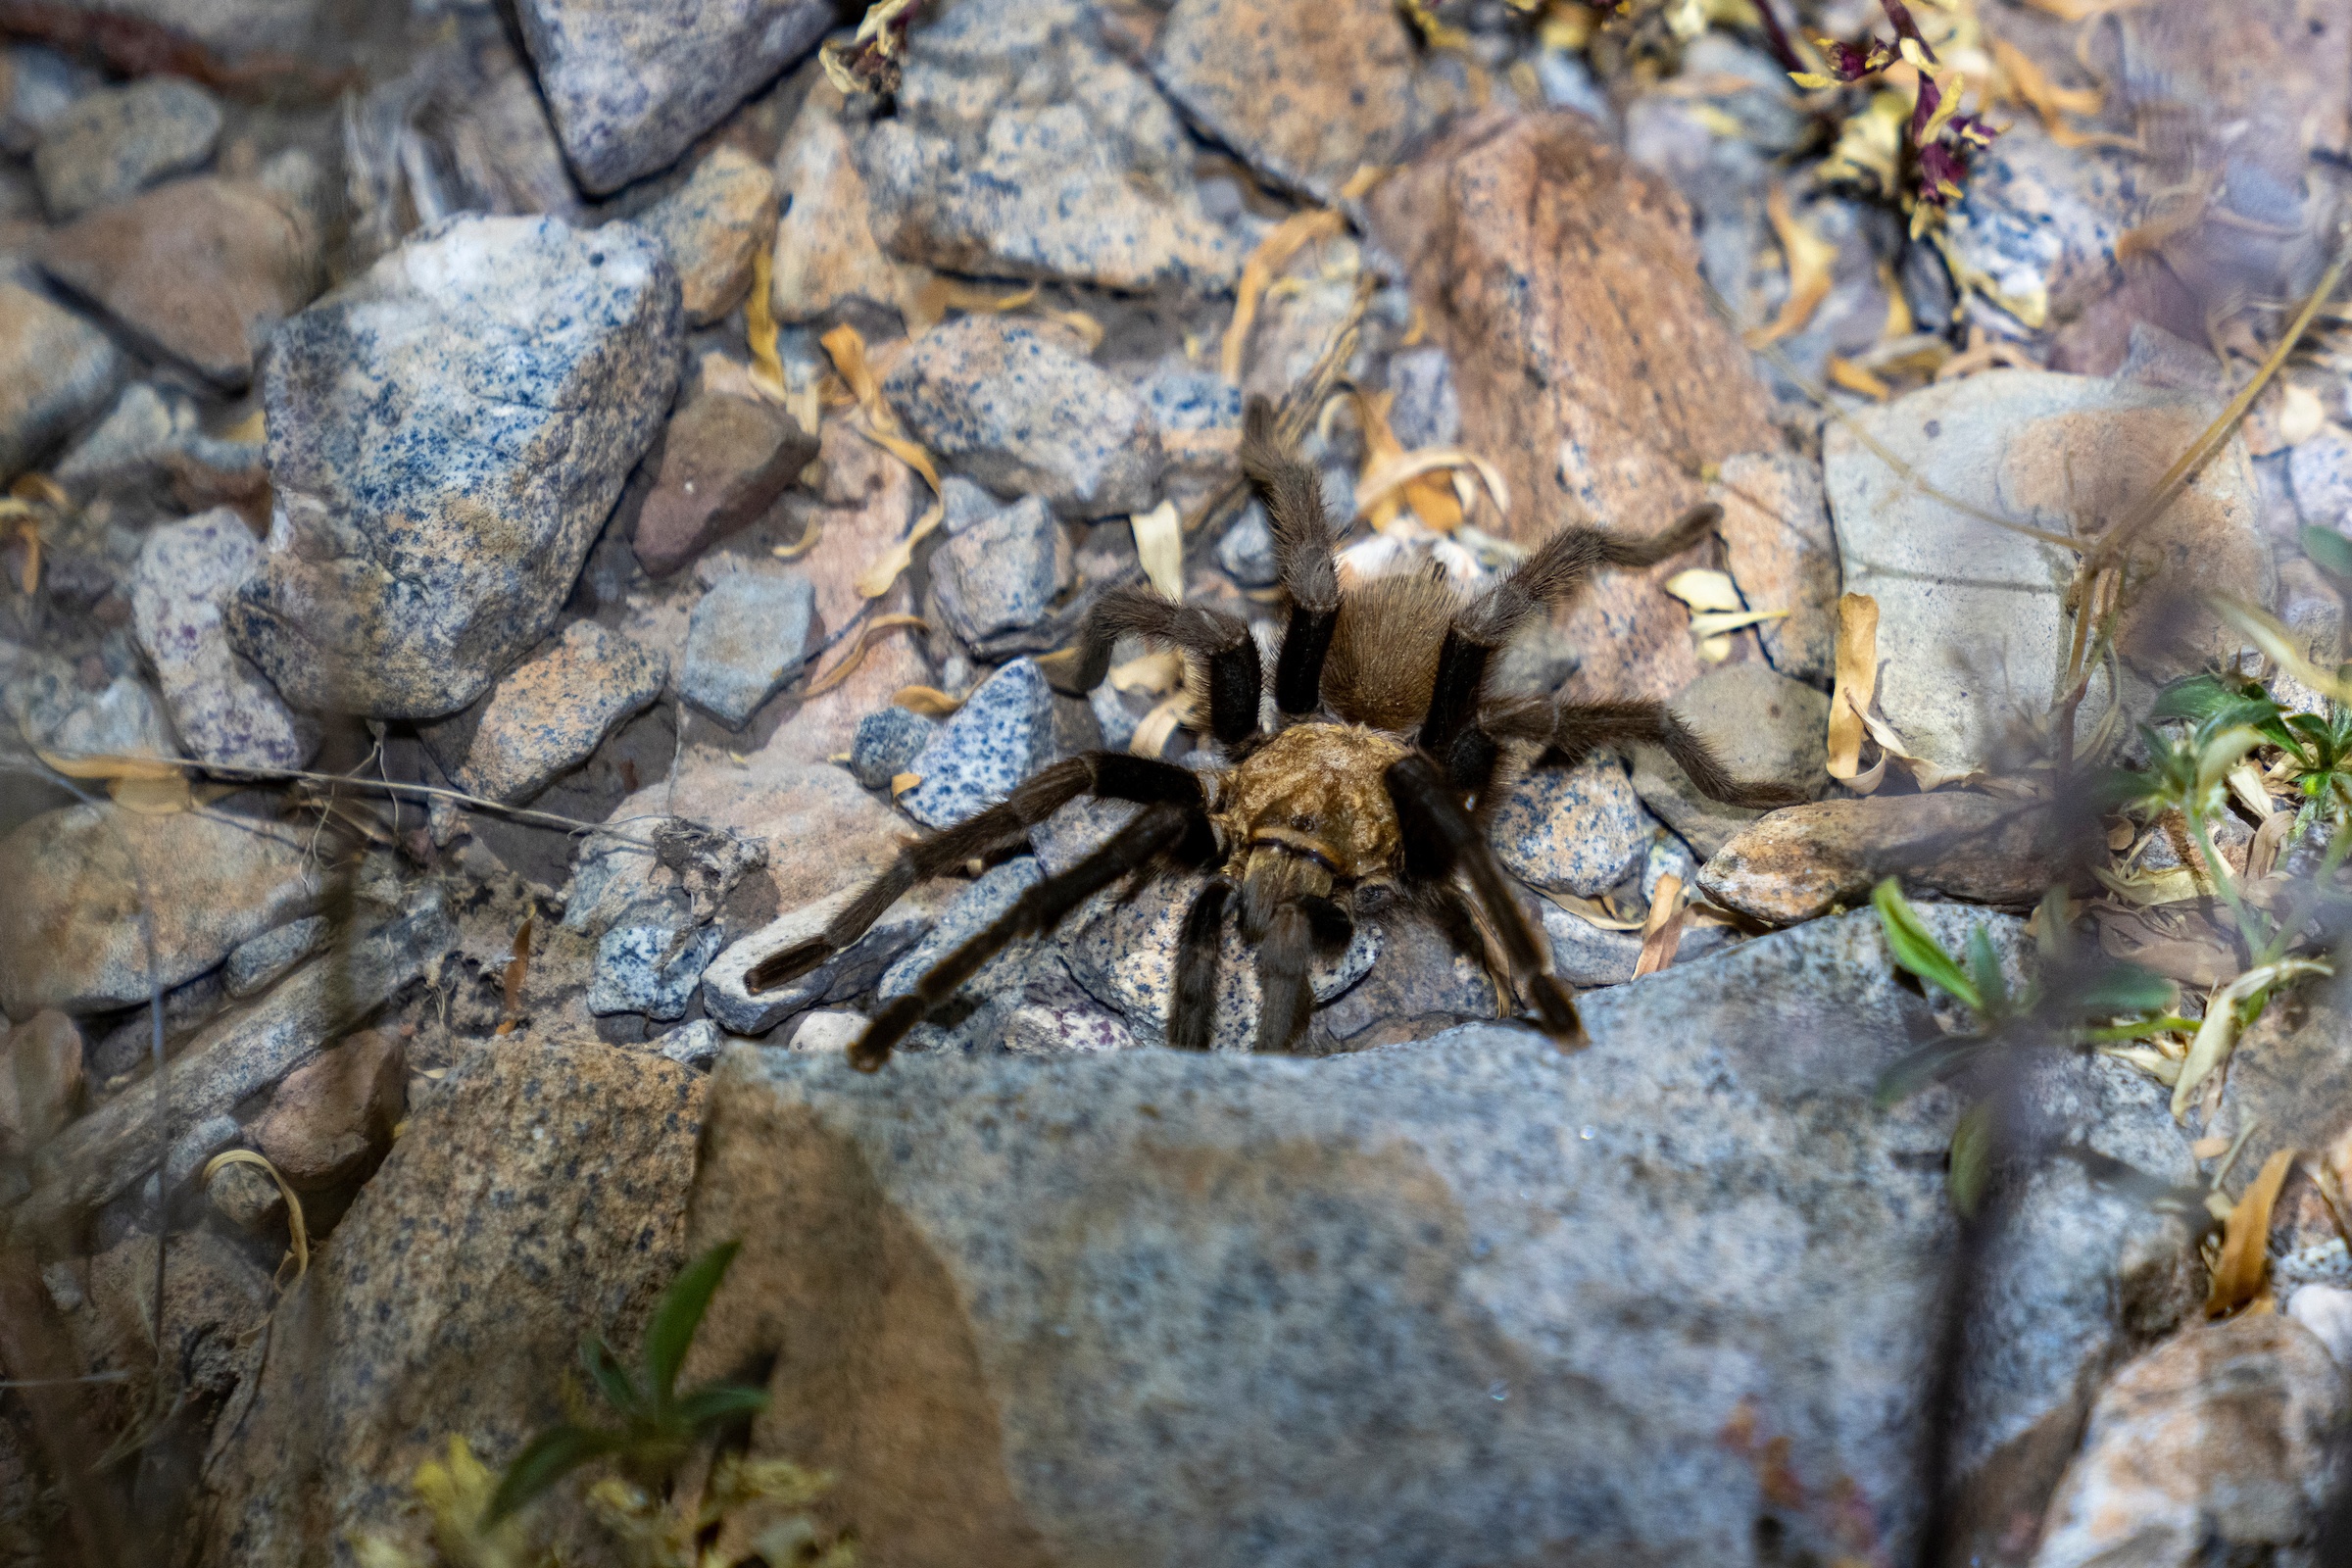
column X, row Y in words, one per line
column 545, row 1460
column 2116, row 988
column 679, row 1314
column 1984, row 970
column 1971, row 1158
column 1930, row 1063
column 1916, row 949
column 2195, row 697
column 2329, row 550
column 611, row 1380
column 716, row 1402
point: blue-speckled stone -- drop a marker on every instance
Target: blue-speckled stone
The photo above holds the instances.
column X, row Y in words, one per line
column 1567, row 1274
column 844, row 977
column 630, row 85
column 998, row 578
column 1125, row 955
column 888, row 742
column 1001, row 734
column 548, row 714
column 447, row 434
column 1078, row 829
column 974, row 1017
column 711, row 225
column 1578, row 830
column 746, row 638
column 630, row 976
column 226, row 713
column 1246, row 553
column 255, row 966
column 1427, row 410
column 1015, row 405
column 1182, row 398
column 117, row 141
column 1022, row 147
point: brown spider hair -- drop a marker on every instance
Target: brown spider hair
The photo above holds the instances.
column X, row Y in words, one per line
column 1384, row 754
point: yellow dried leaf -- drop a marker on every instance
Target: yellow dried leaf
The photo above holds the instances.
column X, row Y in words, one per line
column 110, row 766
column 1718, row 622
column 1810, row 258
column 1159, row 545
column 153, row 796
column 255, row 426
column 846, row 346
column 1662, row 931
column 857, row 652
column 1152, row 735
column 930, row 304
column 2217, row 1036
column 1395, row 477
column 1152, row 675
column 1856, row 681
column 900, row 783
column 2031, row 86
column 1846, row 373
column 1090, row 331
column 928, row 701
column 1705, row 590
column 2245, row 1261
column 1293, row 235
column 296, row 1232
column 2300, row 414
column 759, row 327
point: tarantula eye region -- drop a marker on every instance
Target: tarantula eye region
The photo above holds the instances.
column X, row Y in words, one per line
column 1292, row 842
column 782, row 968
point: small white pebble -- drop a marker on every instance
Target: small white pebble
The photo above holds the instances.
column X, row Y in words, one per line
column 828, row 1030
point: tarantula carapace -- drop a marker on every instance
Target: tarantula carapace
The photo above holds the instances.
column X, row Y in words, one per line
column 1374, row 784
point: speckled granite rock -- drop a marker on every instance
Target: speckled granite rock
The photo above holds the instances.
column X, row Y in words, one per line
column 56, row 370
column 1765, row 727
column 233, row 26
column 1077, row 830
column 1572, row 829
column 1586, row 954
column 1307, row 98
column 1532, row 1258
column 826, row 254
column 255, row 965
column 538, row 1193
column 720, row 462
column 146, row 423
column 2213, row 1447
column 651, row 963
column 1245, row 552
column 77, row 875
column 48, row 705
column 41, row 1084
column 1970, row 623
column 1014, row 405
column 1001, row 734
column 329, row 1118
column 1781, row 549
column 1125, row 955
column 997, row 579
column 547, row 713
column 447, row 433
column 1022, row 147
column 1803, row 860
column 973, row 1018
column 841, row 978
column 747, row 635
column 889, row 740
column 1053, row 1016
column 711, row 225
column 115, row 142
column 631, row 85
column 222, row 708
column 201, row 269
column 2042, row 221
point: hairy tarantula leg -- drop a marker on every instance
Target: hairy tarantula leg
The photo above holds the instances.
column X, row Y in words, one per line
column 1286, row 992
column 1302, row 555
column 1112, row 775
column 1158, row 829
column 1193, row 1000
column 1551, row 575
column 1578, row 729
column 1439, row 839
column 1222, row 642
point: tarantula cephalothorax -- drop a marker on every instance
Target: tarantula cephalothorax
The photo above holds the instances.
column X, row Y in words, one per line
column 1375, row 785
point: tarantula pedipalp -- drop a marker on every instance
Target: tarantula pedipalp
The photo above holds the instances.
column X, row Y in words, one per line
column 1376, row 782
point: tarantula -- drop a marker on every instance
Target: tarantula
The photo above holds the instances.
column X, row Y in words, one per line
column 1375, row 783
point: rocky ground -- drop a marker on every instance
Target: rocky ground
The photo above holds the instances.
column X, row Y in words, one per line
column 516, row 511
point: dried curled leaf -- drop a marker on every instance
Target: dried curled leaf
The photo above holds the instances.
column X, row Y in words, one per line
column 928, row 701
column 1662, row 930
column 2218, row 1034
column 857, row 652
column 1293, row 235
column 1159, row 546
column 877, row 423
column 1152, row 735
column 519, row 968
column 2245, row 1261
column 1810, row 258
column 298, row 1234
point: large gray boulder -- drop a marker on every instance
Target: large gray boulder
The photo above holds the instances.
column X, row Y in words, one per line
column 447, row 434
column 1472, row 1299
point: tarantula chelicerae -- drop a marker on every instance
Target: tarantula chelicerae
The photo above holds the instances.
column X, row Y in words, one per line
column 1375, row 783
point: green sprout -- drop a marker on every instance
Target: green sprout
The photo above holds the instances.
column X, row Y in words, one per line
column 657, row 1425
